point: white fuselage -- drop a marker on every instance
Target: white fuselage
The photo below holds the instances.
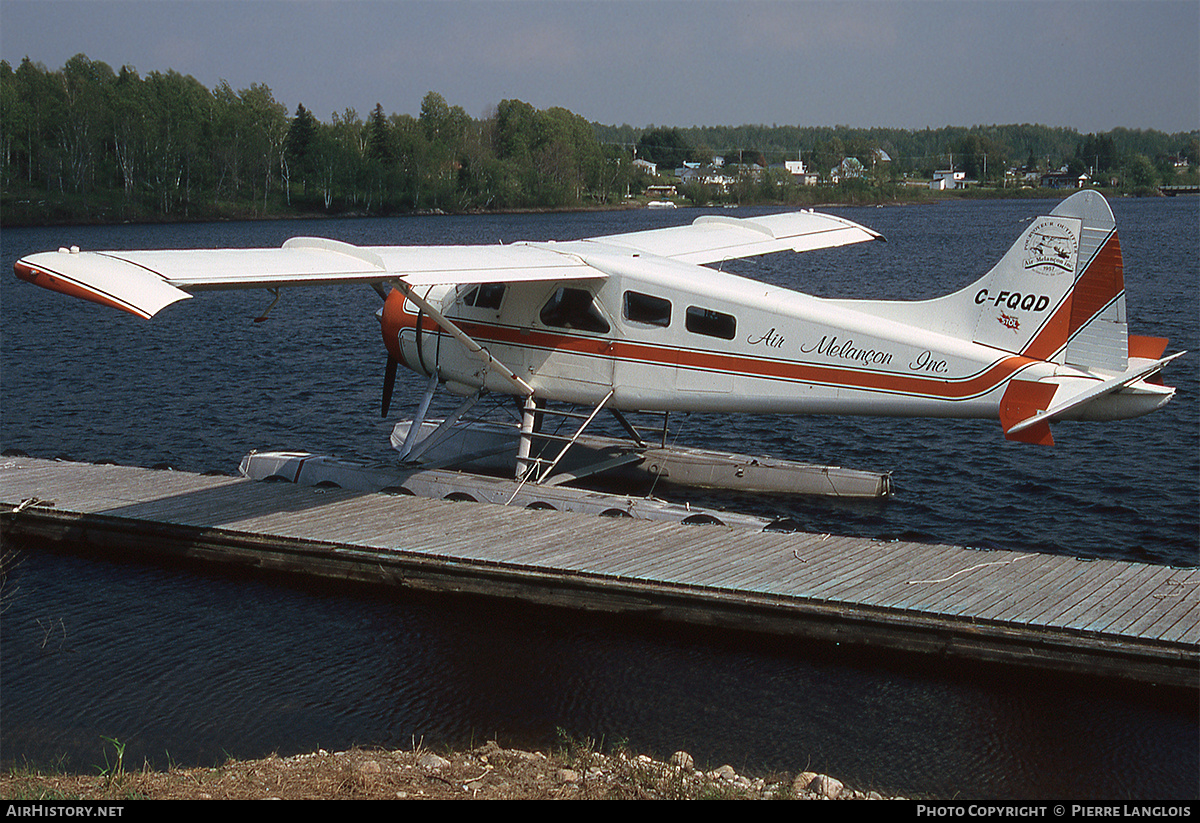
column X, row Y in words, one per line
column 667, row 336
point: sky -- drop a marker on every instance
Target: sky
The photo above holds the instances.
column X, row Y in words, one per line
column 1090, row 65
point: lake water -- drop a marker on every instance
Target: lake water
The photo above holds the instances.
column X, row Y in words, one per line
column 189, row 665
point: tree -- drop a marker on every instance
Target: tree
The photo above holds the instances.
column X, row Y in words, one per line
column 380, row 154
column 299, row 148
column 1140, row 174
column 81, row 132
column 180, row 117
column 445, row 130
column 666, row 147
column 341, row 157
column 379, row 137
column 128, row 124
column 979, row 157
column 1097, row 153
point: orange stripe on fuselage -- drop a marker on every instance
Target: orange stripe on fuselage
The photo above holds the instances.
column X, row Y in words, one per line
column 956, row 389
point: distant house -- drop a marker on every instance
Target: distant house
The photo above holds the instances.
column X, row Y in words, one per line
column 799, row 173
column 848, row 169
column 646, row 166
column 751, row 170
column 944, row 179
column 1063, row 180
column 693, row 173
column 661, row 192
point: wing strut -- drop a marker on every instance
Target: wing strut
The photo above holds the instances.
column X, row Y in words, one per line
column 467, row 341
column 444, row 430
column 415, row 427
column 527, row 466
column 546, row 471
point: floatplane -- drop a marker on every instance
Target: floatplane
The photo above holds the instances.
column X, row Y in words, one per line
column 645, row 322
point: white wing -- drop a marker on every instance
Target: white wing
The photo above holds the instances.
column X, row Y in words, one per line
column 713, row 238
column 145, row 282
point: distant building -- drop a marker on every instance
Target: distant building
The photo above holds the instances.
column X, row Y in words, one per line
column 1028, row 176
column 646, row 166
column 693, row 173
column 944, row 179
column 1064, row 180
column 799, row 173
column 848, row 169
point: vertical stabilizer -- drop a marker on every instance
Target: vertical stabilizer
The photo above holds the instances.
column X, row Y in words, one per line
column 1059, row 292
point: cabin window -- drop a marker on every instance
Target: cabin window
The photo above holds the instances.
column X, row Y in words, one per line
column 573, row 309
column 710, row 323
column 645, row 308
column 485, row 296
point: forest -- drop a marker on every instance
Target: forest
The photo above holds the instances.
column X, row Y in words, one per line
column 87, row 143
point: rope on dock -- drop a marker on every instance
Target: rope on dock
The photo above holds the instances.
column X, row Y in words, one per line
column 1181, row 585
column 971, row 568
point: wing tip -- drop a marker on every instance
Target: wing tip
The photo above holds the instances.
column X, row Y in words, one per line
column 145, row 307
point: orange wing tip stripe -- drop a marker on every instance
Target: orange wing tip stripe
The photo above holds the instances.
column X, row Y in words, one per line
column 1022, row 400
column 63, row 286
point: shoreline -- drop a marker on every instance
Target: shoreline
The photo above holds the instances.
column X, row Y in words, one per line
column 489, row 772
column 235, row 214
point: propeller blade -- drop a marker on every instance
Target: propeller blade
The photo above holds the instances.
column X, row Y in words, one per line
column 389, row 383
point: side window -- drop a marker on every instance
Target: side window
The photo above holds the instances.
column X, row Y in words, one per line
column 573, row 309
column 710, row 323
column 485, row 296
column 645, row 308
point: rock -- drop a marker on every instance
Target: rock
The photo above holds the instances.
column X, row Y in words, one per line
column 370, row 767
column 821, row 785
column 683, row 760
column 726, row 772
column 568, row 776
column 433, row 762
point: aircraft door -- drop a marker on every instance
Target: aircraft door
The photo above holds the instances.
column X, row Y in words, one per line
column 572, row 345
column 647, row 374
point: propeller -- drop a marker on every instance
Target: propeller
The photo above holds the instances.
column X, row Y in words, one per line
column 389, row 384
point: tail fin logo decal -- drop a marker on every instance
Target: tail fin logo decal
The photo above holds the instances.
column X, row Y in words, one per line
column 1009, row 321
column 1051, row 244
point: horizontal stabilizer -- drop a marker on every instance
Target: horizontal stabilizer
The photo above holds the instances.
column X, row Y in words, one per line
column 1076, row 401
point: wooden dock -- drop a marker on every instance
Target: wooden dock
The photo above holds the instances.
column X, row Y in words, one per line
column 1122, row 620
